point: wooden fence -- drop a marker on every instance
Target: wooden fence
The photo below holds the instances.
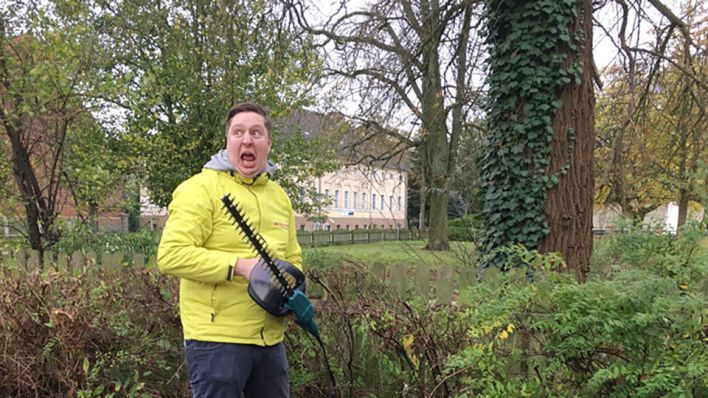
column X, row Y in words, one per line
column 440, row 284
column 73, row 262
column 343, row 237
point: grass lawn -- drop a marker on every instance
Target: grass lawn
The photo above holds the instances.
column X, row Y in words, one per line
column 389, row 252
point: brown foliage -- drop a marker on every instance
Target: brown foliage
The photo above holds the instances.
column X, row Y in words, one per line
column 65, row 334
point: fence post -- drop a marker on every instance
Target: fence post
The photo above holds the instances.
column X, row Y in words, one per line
column 47, row 259
column 312, row 238
column 111, row 261
column 62, row 262
column 76, row 262
column 443, row 287
column 33, row 261
column 422, row 280
column 8, row 260
column 399, row 279
column 368, row 236
column 489, row 273
column 21, row 259
column 379, row 270
column 331, row 238
column 468, row 277
column 91, row 263
column 138, row 261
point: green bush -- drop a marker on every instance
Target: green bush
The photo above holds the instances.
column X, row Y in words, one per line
column 81, row 238
column 637, row 331
column 464, row 229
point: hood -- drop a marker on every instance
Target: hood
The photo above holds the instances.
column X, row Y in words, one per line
column 220, row 162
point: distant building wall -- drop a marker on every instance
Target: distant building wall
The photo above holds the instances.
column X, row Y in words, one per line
column 361, row 198
column 152, row 216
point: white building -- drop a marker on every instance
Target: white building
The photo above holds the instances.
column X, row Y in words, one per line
column 362, row 198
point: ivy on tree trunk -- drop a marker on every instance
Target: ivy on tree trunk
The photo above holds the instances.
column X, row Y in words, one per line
column 537, row 165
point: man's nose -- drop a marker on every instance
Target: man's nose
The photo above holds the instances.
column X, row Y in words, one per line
column 247, row 138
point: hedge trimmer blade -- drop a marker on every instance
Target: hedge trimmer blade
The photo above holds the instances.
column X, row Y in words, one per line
column 256, row 241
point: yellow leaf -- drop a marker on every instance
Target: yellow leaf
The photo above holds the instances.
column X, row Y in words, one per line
column 408, row 346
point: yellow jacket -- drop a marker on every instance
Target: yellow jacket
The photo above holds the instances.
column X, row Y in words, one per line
column 201, row 246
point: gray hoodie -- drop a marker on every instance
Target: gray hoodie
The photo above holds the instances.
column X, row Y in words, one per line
column 220, row 162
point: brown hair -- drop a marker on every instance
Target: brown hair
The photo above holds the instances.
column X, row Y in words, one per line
column 249, row 107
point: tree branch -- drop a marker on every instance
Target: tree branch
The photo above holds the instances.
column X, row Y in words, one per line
column 665, row 11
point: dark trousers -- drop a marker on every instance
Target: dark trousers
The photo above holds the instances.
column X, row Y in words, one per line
column 221, row 370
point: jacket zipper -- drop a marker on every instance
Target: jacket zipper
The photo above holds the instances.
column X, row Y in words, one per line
column 260, row 225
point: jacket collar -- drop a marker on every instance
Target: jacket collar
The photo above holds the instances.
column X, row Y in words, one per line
column 260, row 179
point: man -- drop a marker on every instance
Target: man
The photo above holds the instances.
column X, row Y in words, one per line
column 232, row 345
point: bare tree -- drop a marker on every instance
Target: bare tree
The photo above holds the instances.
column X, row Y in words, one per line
column 652, row 43
column 411, row 58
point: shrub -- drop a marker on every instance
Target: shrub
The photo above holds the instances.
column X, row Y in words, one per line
column 465, row 229
column 379, row 344
column 81, row 238
column 89, row 335
column 636, row 331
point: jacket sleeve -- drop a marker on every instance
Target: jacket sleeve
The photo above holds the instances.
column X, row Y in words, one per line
column 293, row 252
column 181, row 251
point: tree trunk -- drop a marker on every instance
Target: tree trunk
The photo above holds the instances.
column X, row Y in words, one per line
column 93, row 216
column 28, row 185
column 435, row 133
column 682, row 208
column 569, row 204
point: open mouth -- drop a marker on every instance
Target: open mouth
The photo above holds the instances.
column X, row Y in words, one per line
column 248, row 157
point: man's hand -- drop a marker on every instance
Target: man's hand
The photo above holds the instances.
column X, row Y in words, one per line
column 244, row 266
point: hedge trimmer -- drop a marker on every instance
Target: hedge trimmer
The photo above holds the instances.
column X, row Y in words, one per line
column 282, row 280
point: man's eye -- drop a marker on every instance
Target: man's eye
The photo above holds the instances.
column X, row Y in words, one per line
column 238, row 133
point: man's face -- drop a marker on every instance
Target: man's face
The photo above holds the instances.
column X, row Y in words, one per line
column 248, row 143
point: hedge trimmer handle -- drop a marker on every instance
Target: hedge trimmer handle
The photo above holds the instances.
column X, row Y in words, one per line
column 303, row 310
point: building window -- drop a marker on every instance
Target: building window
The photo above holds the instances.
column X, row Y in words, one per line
column 399, row 202
column 356, row 227
column 347, row 227
column 302, row 227
column 346, row 199
column 382, row 202
column 373, row 201
column 363, row 200
column 327, row 194
column 355, row 200
column 336, row 199
column 390, row 202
